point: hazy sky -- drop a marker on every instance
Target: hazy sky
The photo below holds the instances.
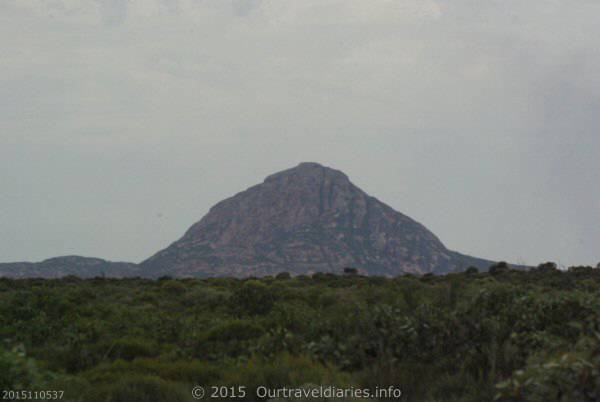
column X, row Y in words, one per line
column 123, row 121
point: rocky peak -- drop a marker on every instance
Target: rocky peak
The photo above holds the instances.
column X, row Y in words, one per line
column 308, row 172
column 305, row 219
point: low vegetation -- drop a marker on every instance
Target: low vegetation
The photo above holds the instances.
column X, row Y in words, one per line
column 505, row 335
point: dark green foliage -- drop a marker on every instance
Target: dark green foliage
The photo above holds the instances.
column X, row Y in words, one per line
column 562, row 377
column 507, row 334
column 350, row 271
column 231, row 339
column 499, row 268
column 284, row 370
column 283, row 275
column 547, row 267
column 138, row 389
column 17, row 371
column 252, row 298
column 131, row 348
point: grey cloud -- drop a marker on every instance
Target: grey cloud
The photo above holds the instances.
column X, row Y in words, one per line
column 171, row 6
column 242, row 8
column 478, row 119
column 113, row 12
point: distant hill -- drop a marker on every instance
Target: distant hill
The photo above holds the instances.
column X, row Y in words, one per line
column 307, row 219
column 70, row 265
column 302, row 220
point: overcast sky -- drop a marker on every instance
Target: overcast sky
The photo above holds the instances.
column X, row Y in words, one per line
column 123, row 121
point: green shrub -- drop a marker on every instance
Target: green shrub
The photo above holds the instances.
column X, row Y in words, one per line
column 283, row 276
column 237, row 330
column 172, row 286
column 185, row 371
column 17, row 371
column 253, row 298
column 499, row 268
column 138, row 389
column 132, row 348
column 564, row 377
column 232, row 339
column 283, row 370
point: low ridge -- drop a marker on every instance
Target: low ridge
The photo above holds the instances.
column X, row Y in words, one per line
column 83, row 267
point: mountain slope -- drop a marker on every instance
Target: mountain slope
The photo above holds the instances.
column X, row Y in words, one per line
column 302, row 220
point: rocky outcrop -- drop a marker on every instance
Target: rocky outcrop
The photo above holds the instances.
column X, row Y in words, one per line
column 306, row 219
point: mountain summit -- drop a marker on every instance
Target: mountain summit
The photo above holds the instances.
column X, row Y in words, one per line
column 310, row 218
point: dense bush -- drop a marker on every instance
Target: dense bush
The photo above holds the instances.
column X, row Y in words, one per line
column 508, row 335
column 138, row 389
column 17, row 371
column 252, row 298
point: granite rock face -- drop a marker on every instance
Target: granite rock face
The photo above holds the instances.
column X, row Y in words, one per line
column 303, row 220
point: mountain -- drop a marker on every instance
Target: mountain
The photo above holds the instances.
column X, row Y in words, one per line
column 302, row 220
column 82, row 267
column 307, row 219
